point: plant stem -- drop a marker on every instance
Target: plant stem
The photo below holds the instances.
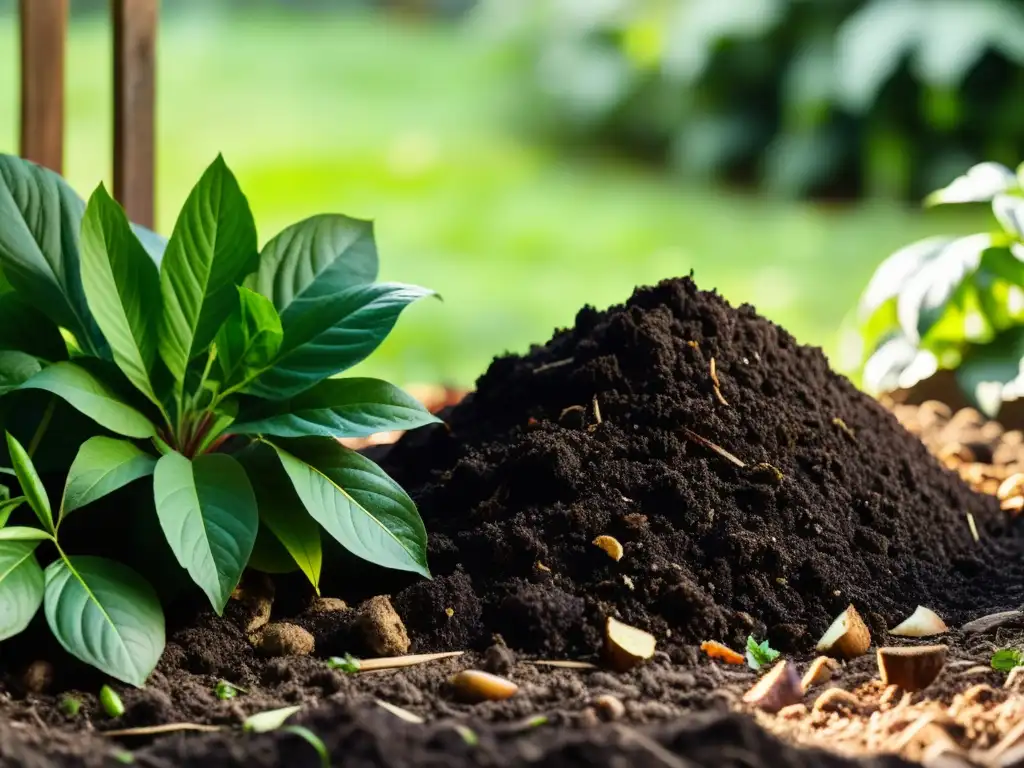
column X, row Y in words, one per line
column 210, row 357
column 44, row 423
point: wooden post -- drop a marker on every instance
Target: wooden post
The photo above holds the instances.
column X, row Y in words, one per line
column 43, row 31
column 135, row 28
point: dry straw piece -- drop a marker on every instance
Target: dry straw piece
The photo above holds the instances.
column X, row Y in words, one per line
column 625, row 647
column 563, row 664
column 396, row 662
column 847, row 638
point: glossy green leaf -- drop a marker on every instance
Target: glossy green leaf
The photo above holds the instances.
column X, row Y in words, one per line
column 269, row 555
column 154, row 244
column 354, row 407
column 102, row 466
column 356, row 503
column 25, row 329
column 250, row 338
column 23, row 533
column 313, row 740
column 893, row 274
column 1009, row 212
column 992, row 373
column 122, row 286
column 105, row 614
column 82, row 390
column 223, row 417
column 208, row 514
column 21, row 586
column 39, row 223
column 31, row 484
column 326, row 335
column 7, row 507
column 319, row 256
column 16, row 368
column 282, row 514
column 212, row 249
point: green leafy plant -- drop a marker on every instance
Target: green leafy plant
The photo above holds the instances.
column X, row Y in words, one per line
column 845, row 96
column 276, row 720
column 206, row 364
column 225, row 691
column 348, row 663
column 1006, row 659
column 759, row 654
column 953, row 303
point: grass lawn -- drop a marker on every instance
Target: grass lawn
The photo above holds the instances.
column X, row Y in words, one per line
column 409, row 126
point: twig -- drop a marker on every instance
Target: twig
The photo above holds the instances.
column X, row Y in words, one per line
column 154, row 730
column 555, row 364
column 717, row 383
column 597, row 411
column 395, row 662
column 689, row 433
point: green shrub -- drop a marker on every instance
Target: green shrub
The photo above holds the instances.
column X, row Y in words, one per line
column 170, row 348
column 954, row 303
column 846, row 96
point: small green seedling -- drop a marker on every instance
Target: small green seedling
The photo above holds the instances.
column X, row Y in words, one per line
column 226, row 691
column 759, row 655
column 70, row 706
column 111, row 702
column 1007, row 658
column 347, row 663
column 468, row 734
column 124, row 757
column 275, row 719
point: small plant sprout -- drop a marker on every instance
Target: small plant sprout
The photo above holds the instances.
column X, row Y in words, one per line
column 226, row 691
column 206, row 367
column 347, row 663
column 1006, row 659
column 111, row 702
column 70, row 706
column 759, row 655
column 275, row 719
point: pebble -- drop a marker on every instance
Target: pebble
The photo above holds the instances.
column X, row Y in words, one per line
column 283, row 639
column 382, row 628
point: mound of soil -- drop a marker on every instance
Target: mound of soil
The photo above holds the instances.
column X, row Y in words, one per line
column 618, row 427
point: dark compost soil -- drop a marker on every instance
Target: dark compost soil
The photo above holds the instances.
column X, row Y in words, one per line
column 609, row 429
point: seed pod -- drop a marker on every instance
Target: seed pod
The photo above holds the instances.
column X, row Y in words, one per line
column 847, row 638
column 912, row 668
column 472, row 685
column 626, row 646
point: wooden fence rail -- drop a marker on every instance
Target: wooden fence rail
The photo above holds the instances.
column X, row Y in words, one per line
column 43, row 41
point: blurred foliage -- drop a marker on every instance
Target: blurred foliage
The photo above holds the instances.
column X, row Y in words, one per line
column 954, row 303
column 844, row 97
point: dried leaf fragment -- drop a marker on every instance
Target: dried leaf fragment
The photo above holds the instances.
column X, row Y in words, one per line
column 625, row 647
column 611, row 546
column 716, row 650
column 847, row 638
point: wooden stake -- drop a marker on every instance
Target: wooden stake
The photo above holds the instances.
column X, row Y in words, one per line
column 43, row 33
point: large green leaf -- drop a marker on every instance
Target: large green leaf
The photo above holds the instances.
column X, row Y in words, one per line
column 7, row 506
column 25, row 329
column 212, row 249
column 16, row 368
column 21, row 586
column 39, row 222
column 319, row 256
column 154, row 244
column 992, row 373
column 281, row 514
column 208, row 514
column 31, row 484
column 980, row 184
column 356, row 503
column 122, row 285
column 92, row 397
column 326, row 335
column 105, row 614
column 339, row 408
column 103, row 465
column 250, row 337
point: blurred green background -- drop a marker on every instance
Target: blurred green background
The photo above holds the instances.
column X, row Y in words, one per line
column 427, row 123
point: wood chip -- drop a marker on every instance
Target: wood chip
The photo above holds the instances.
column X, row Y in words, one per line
column 690, row 434
column 819, row 672
column 396, row 662
column 625, row 647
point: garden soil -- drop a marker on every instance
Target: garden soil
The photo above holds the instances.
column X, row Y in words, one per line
column 752, row 490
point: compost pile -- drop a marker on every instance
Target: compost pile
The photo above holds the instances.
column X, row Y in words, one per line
column 612, row 429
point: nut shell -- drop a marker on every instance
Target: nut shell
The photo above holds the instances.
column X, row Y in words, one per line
column 912, row 668
column 847, row 638
column 778, row 689
column 625, row 647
